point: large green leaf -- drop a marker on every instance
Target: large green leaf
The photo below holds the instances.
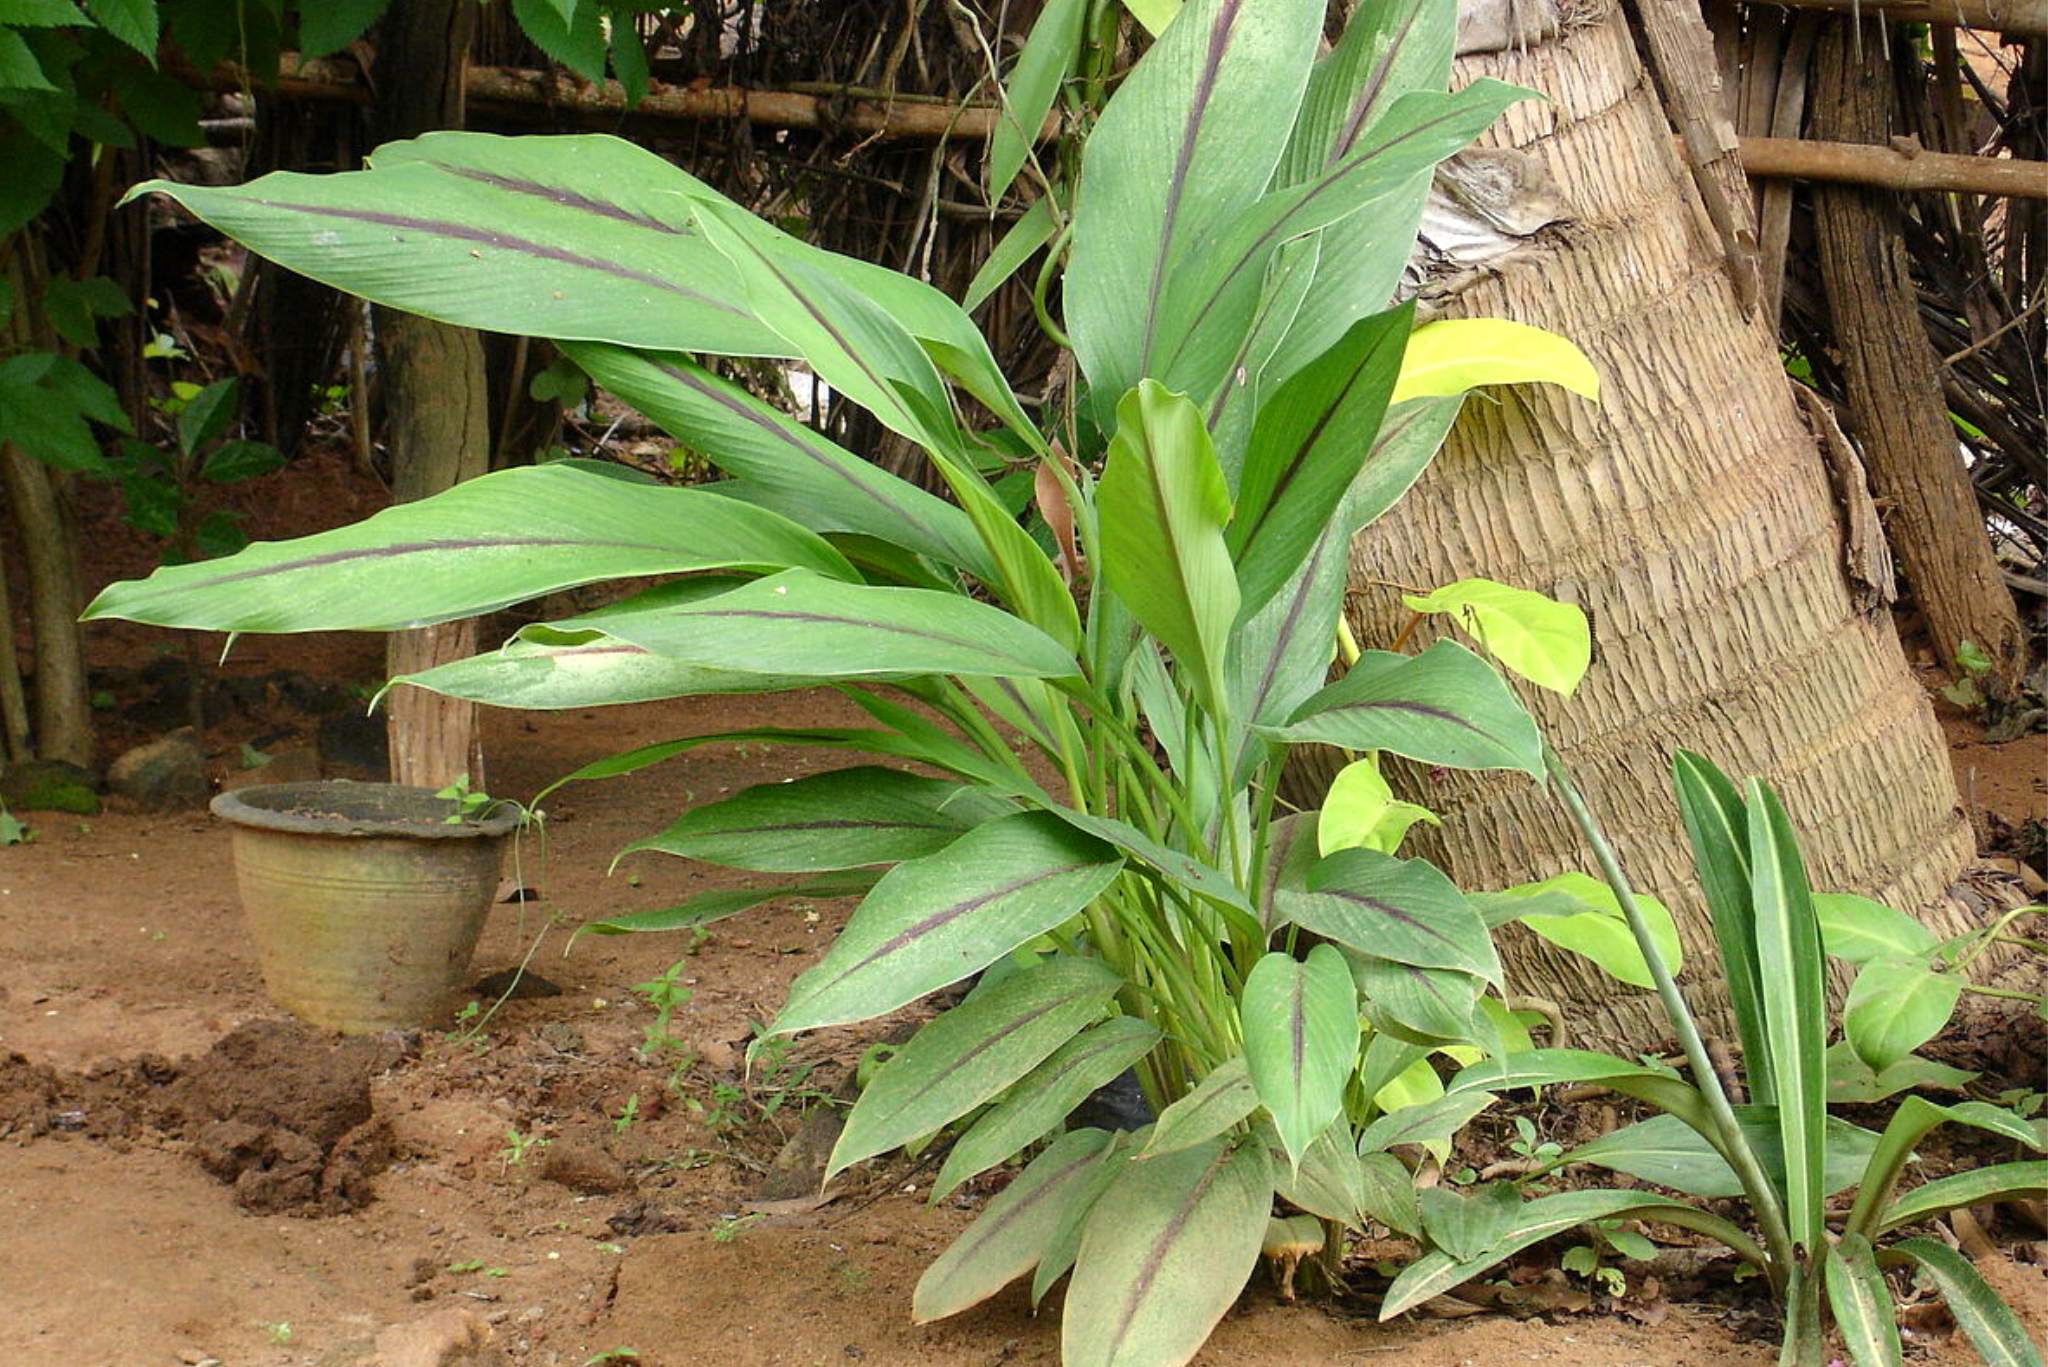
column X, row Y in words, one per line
column 1436, row 1272
column 1005, row 1240
column 705, row 907
column 1405, row 910
column 1094, row 1058
column 586, row 237
column 1208, row 316
column 328, row 28
column 1061, row 1247
column 1323, row 282
column 1182, row 153
column 972, row 1053
column 1281, row 653
column 1408, row 440
column 1666, row 1150
column 1466, row 1225
column 1387, row 51
column 1431, row 1122
column 1164, row 1254
column 1019, row 244
column 1387, row 1193
column 1163, row 504
column 803, row 623
column 1994, row 1330
column 786, row 465
column 1795, row 1009
column 1978, row 1186
column 1299, row 1021
column 1910, row 1123
column 1860, row 931
column 932, row 921
column 1307, row 447
column 1660, row 1087
column 540, row 676
column 1444, row 706
column 1580, row 913
column 1862, row 1304
column 1217, row 1103
column 1894, row 1007
column 479, row 546
column 1433, row 1003
column 1717, row 825
column 1852, row 1083
column 1048, row 56
column 134, row 22
column 578, row 238
column 859, row 344
column 842, row 819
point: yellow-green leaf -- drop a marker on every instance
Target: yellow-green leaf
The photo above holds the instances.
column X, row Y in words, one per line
column 1453, row 355
column 1546, row 642
column 1155, row 15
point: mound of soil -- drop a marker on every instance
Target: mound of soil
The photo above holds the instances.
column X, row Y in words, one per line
column 275, row 1109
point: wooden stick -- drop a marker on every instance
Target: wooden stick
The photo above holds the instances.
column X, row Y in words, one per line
column 1888, row 168
column 494, row 89
column 328, row 79
column 1999, row 16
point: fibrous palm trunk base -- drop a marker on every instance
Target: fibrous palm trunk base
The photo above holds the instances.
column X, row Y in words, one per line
column 1690, row 514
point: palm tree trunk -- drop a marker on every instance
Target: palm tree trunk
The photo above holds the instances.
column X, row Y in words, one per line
column 1692, row 516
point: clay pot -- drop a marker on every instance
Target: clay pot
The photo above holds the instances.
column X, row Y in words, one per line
column 364, row 899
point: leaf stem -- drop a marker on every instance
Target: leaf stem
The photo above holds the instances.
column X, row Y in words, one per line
column 1763, row 1198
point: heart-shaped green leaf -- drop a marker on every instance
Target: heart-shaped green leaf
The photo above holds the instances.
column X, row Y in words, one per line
column 1300, row 1025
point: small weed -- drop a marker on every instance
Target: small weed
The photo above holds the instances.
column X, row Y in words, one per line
column 469, row 803
column 1974, row 664
column 278, row 1331
column 13, row 831
column 732, row 1226
column 853, row 1278
column 518, row 1145
column 724, row 1111
column 2023, row 1102
column 1525, row 1143
column 628, row 1113
column 664, row 994
column 612, row 1355
column 1586, row 1260
column 252, row 758
column 473, row 1265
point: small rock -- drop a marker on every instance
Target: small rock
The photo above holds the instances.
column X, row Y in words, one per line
column 563, row 1036
column 446, row 1338
column 165, row 775
column 584, row 1167
column 799, row 1167
column 50, row 785
column 528, row 984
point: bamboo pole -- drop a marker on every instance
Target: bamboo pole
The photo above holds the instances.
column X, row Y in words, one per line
column 2029, row 17
column 1890, row 168
column 495, row 89
column 499, row 89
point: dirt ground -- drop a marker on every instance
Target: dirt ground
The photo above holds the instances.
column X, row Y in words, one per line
column 186, row 1178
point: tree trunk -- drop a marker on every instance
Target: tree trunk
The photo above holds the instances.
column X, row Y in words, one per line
column 1895, row 396
column 437, row 403
column 49, row 544
column 1690, row 514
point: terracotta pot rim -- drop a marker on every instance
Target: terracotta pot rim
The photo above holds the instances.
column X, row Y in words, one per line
column 343, row 807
